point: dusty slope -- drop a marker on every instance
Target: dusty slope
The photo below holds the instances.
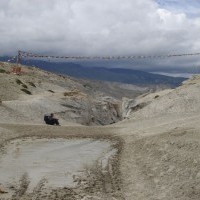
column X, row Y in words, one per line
column 184, row 99
column 161, row 156
column 72, row 101
column 160, row 142
column 159, row 160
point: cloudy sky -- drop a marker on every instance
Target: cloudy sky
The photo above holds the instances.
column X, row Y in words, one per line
column 102, row 27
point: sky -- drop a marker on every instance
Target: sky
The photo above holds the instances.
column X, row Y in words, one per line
column 103, row 28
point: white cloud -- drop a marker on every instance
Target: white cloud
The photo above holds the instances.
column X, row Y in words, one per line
column 93, row 27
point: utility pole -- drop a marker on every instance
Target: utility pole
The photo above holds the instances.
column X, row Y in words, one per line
column 19, row 57
column 16, row 69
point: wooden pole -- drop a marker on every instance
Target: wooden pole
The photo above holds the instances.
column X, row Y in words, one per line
column 19, row 57
column 17, row 69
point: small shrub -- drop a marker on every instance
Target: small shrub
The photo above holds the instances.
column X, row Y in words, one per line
column 32, row 84
column 87, row 85
column 156, row 96
column 138, row 107
column 71, row 93
column 24, row 86
column 19, row 82
column 2, row 71
column 51, row 91
column 26, row 91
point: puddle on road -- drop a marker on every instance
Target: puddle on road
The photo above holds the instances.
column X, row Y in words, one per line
column 55, row 160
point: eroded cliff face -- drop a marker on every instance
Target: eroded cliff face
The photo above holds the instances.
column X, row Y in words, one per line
column 87, row 110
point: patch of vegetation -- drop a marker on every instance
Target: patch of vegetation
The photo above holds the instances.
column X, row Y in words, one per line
column 156, row 96
column 26, row 91
column 71, row 93
column 32, row 84
column 87, row 85
column 19, row 82
column 51, row 91
column 138, row 107
column 2, row 71
column 24, row 86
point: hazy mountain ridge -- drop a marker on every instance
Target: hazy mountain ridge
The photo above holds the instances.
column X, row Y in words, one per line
column 129, row 76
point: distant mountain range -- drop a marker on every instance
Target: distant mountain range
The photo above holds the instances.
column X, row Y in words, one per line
column 122, row 75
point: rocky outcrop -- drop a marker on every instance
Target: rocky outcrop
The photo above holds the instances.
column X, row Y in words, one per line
column 127, row 104
column 80, row 108
column 106, row 110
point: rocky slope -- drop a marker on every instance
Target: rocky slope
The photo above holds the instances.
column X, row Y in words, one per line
column 27, row 97
column 182, row 100
column 160, row 159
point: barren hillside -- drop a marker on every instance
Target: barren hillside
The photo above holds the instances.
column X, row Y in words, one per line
column 180, row 101
column 153, row 152
column 161, row 156
column 27, row 97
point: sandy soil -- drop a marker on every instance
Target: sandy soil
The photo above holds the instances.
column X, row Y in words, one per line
column 160, row 159
column 157, row 158
column 97, row 183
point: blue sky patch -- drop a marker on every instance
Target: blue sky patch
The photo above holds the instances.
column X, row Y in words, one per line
column 189, row 7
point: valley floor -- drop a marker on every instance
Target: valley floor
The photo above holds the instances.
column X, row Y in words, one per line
column 157, row 158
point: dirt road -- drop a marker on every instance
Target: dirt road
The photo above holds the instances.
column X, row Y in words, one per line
column 156, row 159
